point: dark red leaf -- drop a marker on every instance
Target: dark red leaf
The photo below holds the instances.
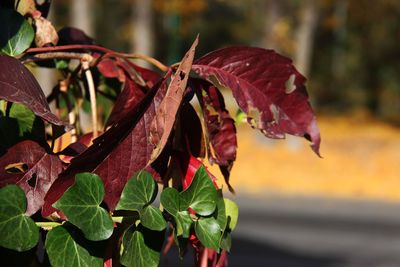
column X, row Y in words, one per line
column 142, row 76
column 130, row 96
column 18, row 85
column 137, row 80
column 190, row 138
column 41, row 170
column 164, row 120
column 221, row 130
column 71, row 35
column 117, row 154
column 267, row 87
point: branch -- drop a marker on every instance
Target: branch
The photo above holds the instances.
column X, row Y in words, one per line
column 106, row 51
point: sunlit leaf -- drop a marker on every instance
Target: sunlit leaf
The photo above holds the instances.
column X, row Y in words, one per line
column 232, row 213
column 201, row 195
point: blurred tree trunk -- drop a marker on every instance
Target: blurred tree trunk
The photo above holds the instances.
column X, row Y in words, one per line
column 273, row 9
column 339, row 64
column 305, row 35
column 142, row 37
column 81, row 16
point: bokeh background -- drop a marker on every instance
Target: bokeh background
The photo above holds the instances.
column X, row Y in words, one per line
column 349, row 51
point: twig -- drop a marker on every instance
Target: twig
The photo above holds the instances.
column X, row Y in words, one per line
column 92, row 93
column 148, row 59
column 53, row 55
column 69, row 47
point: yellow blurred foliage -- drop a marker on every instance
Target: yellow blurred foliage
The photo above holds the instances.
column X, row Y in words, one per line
column 360, row 159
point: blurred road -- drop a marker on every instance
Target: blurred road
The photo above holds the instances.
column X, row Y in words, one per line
column 295, row 232
column 281, row 231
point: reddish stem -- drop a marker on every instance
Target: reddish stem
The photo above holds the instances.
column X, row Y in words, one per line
column 69, row 47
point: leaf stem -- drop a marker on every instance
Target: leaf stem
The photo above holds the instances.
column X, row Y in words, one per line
column 92, row 93
column 148, row 59
column 69, row 47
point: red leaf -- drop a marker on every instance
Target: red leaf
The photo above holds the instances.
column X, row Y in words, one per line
column 189, row 165
column 267, row 87
column 191, row 138
column 18, row 85
column 42, row 169
column 117, row 154
column 72, row 36
column 164, row 120
column 221, row 130
column 109, row 69
column 130, row 96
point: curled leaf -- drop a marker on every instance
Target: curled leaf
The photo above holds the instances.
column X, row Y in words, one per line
column 164, row 120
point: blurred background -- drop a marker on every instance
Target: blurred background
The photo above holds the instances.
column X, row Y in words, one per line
column 296, row 209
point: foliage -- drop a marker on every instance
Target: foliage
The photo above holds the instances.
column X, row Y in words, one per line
column 90, row 196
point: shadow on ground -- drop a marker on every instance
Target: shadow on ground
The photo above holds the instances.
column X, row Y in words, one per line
column 252, row 253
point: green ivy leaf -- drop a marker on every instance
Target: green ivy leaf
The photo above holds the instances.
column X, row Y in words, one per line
column 138, row 192
column 16, row 34
column 170, row 200
column 141, row 247
column 201, row 195
column 183, row 223
column 17, row 231
column 66, row 248
column 152, row 218
column 80, row 203
column 208, row 232
column 232, row 213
